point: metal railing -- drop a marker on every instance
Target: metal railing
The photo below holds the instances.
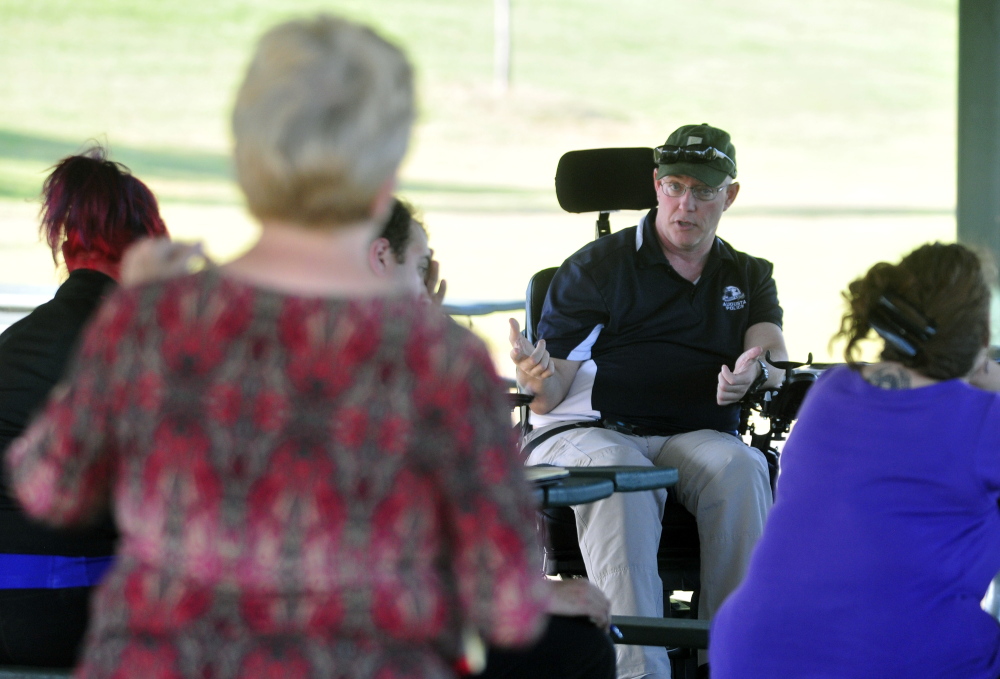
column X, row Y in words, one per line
column 17, row 301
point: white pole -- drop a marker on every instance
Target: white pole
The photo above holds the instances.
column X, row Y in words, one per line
column 501, row 46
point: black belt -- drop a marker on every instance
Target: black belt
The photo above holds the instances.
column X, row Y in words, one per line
column 544, row 436
column 634, row 430
column 620, row 427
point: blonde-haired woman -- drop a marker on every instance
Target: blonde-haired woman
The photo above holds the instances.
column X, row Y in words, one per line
column 313, row 475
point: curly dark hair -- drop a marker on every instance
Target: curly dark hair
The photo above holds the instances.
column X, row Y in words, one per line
column 397, row 227
column 946, row 283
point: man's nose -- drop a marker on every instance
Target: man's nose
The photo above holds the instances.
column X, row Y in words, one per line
column 688, row 201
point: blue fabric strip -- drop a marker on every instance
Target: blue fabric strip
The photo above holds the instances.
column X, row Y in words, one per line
column 39, row 571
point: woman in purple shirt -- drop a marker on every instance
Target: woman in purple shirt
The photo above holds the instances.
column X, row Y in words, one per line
column 886, row 530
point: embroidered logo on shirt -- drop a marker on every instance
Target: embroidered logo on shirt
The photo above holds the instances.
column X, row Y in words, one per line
column 733, row 298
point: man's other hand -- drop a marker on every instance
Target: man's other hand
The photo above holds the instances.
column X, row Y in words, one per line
column 733, row 384
column 533, row 362
column 153, row 259
column 579, row 598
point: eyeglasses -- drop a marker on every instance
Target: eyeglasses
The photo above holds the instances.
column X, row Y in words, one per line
column 668, row 155
column 676, row 190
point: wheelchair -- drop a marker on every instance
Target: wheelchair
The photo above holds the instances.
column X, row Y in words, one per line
column 604, row 181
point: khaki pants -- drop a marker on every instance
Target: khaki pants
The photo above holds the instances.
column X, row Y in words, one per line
column 722, row 481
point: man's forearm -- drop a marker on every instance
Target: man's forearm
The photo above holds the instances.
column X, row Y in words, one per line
column 775, row 375
column 545, row 392
column 549, row 391
column 769, row 338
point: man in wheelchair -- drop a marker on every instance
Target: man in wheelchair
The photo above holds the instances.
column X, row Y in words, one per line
column 650, row 338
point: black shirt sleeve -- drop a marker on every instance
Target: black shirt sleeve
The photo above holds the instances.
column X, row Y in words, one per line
column 573, row 314
column 764, row 307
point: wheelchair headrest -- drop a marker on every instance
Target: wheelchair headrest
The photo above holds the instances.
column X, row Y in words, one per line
column 603, row 180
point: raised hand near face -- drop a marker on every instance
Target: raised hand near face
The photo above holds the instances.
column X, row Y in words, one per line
column 435, row 290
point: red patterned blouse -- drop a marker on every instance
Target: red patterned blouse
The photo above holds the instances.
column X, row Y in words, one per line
column 304, row 486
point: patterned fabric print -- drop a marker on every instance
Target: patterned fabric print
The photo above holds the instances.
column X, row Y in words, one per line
column 300, row 483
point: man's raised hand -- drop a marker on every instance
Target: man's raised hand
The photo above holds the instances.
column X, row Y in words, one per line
column 435, row 289
column 733, row 384
column 533, row 362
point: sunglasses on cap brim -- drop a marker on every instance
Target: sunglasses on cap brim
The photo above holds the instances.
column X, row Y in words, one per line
column 668, row 155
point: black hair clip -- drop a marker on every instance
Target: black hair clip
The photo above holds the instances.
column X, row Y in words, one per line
column 900, row 324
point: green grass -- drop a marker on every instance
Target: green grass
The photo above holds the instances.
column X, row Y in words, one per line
column 843, row 114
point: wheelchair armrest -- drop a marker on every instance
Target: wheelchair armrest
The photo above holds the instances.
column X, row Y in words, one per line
column 577, row 491
column 629, row 478
column 516, row 400
column 681, row 632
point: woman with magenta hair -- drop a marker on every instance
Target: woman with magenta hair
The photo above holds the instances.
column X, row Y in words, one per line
column 92, row 210
column 885, row 532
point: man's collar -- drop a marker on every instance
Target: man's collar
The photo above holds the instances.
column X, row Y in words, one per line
column 647, row 246
column 649, row 252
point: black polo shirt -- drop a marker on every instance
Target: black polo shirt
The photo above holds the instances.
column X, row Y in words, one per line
column 658, row 340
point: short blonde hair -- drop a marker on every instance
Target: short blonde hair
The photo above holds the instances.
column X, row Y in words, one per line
column 321, row 121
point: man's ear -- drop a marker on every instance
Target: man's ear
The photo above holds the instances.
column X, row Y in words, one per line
column 379, row 253
column 731, row 191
